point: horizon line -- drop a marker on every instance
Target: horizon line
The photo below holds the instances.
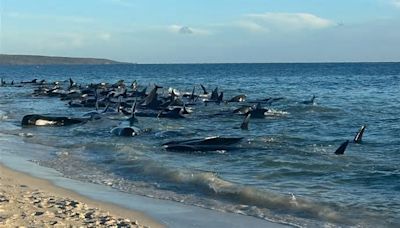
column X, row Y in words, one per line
column 205, row 63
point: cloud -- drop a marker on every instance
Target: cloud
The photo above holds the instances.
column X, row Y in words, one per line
column 252, row 26
column 283, row 22
column 396, row 3
column 104, row 36
column 186, row 30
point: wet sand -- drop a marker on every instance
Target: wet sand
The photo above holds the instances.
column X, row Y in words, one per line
column 33, row 202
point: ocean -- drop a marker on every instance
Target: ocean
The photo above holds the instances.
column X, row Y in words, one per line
column 284, row 170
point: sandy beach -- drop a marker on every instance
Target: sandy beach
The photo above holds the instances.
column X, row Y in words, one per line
column 32, row 202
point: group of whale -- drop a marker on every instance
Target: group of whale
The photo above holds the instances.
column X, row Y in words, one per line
column 129, row 101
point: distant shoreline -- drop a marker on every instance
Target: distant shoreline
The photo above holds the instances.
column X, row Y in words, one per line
column 29, row 60
column 6, row 59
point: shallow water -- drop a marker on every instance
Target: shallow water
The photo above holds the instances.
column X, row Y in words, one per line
column 284, row 170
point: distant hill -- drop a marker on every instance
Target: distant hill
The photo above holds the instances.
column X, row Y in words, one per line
column 50, row 60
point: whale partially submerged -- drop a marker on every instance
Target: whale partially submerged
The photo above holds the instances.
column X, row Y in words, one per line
column 359, row 135
column 342, row 148
column 213, row 143
column 42, row 120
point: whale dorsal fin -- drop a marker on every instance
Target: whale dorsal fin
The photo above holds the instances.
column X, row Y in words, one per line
column 245, row 123
column 204, row 89
column 192, row 95
column 342, row 148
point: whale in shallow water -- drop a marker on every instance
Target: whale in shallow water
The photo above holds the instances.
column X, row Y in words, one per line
column 245, row 123
column 359, row 135
column 128, row 131
column 242, row 110
column 238, row 98
column 204, row 89
column 310, row 102
column 258, row 111
column 151, row 101
column 203, row 144
column 342, row 148
column 174, row 113
column 41, row 120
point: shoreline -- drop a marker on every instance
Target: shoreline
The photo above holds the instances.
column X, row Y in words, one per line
column 154, row 211
column 26, row 200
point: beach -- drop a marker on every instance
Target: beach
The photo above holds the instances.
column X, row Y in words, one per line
column 47, row 196
column 31, row 202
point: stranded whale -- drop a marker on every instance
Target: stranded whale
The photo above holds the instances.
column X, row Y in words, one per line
column 41, row 120
column 203, row 144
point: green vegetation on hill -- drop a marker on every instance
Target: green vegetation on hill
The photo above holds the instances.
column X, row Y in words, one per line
column 49, row 60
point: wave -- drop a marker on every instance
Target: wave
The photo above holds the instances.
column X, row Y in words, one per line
column 276, row 113
column 210, row 185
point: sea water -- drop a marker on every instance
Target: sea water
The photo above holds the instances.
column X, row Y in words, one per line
column 284, row 170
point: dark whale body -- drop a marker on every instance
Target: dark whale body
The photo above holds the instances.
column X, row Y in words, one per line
column 359, row 135
column 41, row 120
column 126, row 131
column 342, row 148
column 203, row 144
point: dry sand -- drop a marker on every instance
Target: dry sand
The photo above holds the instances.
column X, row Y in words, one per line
column 31, row 202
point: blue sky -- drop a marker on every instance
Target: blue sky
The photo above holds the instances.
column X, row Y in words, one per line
column 204, row 31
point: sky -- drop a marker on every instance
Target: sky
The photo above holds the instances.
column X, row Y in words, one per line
column 204, row 31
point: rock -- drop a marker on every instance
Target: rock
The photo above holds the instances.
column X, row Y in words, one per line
column 38, row 213
column 111, row 222
column 3, row 199
column 89, row 214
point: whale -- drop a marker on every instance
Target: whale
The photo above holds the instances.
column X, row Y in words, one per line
column 191, row 97
column 258, row 111
column 359, row 135
column 28, row 82
column 204, row 89
column 242, row 110
column 342, row 148
column 310, row 102
column 175, row 113
column 214, row 94
column 213, row 143
column 238, row 98
column 245, row 123
column 130, row 130
column 151, row 100
column 127, row 131
column 220, row 98
column 267, row 101
column 41, row 120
